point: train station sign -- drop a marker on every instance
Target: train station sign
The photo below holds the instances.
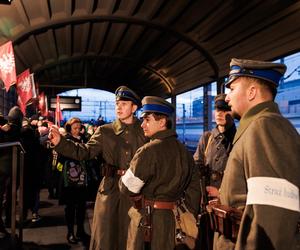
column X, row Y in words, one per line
column 67, row 103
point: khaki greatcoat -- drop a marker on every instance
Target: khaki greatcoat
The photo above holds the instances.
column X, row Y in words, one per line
column 117, row 144
column 266, row 144
column 167, row 168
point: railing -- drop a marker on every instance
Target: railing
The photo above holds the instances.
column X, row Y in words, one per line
column 16, row 147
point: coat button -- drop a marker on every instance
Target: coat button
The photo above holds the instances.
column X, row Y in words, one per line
column 214, row 177
column 126, row 152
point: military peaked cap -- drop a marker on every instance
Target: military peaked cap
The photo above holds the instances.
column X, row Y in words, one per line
column 154, row 104
column 220, row 103
column 125, row 93
column 268, row 71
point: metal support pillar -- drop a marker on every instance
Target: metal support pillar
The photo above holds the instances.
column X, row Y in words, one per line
column 207, row 108
column 174, row 102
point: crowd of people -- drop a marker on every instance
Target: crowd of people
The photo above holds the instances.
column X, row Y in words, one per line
column 245, row 181
column 43, row 167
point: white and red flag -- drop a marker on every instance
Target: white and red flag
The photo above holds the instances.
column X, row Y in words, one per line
column 22, row 105
column 7, row 65
column 58, row 113
column 34, row 87
column 43, row 104
column 25, row 87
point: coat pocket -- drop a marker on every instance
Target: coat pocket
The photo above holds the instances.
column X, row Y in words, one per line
column 134, row 233
column 108, row 185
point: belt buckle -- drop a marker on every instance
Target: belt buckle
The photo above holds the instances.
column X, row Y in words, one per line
column 121, row 172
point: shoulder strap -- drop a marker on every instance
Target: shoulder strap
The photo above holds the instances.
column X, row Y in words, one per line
column 207, row 144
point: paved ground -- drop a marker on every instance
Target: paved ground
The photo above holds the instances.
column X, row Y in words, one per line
column 50, row 232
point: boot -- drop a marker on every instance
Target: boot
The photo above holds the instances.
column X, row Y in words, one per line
column 70, row 214
column 71, row 238
column 81, row 235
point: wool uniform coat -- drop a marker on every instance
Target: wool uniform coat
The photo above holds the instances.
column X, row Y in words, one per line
column 265, row 145
column 211, row 157
column 116, row 143
column 168, row 171
column 217, row 154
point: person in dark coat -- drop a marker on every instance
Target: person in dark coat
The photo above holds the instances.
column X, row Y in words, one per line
column 162, row 172
column 9, row 132
column 32, row 168
column 211, row 157
column 262, row 176
column 73, row 193
column 116, row 143
column 3, row 121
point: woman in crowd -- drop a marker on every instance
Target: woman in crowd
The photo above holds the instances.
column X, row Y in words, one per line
column 73, row 185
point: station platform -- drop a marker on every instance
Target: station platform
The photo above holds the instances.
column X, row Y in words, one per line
column 50, row 231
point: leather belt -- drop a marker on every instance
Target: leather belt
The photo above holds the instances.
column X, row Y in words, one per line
column 140, row 202
column 109, row 170
column 160, row 204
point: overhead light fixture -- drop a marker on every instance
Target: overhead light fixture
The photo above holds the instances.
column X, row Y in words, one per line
column 5, row 1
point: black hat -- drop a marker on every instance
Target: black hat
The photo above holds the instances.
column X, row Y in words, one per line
column 125, row 93
column 154, row 104
column 268, row 71
column 220, row 103
column 15, row 116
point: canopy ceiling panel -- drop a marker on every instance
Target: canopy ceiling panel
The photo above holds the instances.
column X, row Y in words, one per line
column 156, row 47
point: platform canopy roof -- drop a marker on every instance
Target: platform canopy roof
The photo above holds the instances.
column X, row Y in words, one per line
column 156, row 47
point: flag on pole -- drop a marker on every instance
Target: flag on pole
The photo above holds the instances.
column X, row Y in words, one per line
column 34, row 91
column 34, row 87
column 25, row 87
column 43, row 105
column 22, row 105
column 58, row 113
column 7, row 65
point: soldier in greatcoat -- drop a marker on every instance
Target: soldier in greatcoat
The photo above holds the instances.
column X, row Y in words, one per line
column 211, row 157
column 161, row 172
column 262, row 176
column 214, row 146
column 116, row 143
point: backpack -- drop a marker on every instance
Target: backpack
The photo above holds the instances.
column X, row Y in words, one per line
column 75, row 174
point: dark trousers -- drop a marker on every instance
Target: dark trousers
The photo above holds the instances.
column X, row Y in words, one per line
column 206, row 234
column 72, row 211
